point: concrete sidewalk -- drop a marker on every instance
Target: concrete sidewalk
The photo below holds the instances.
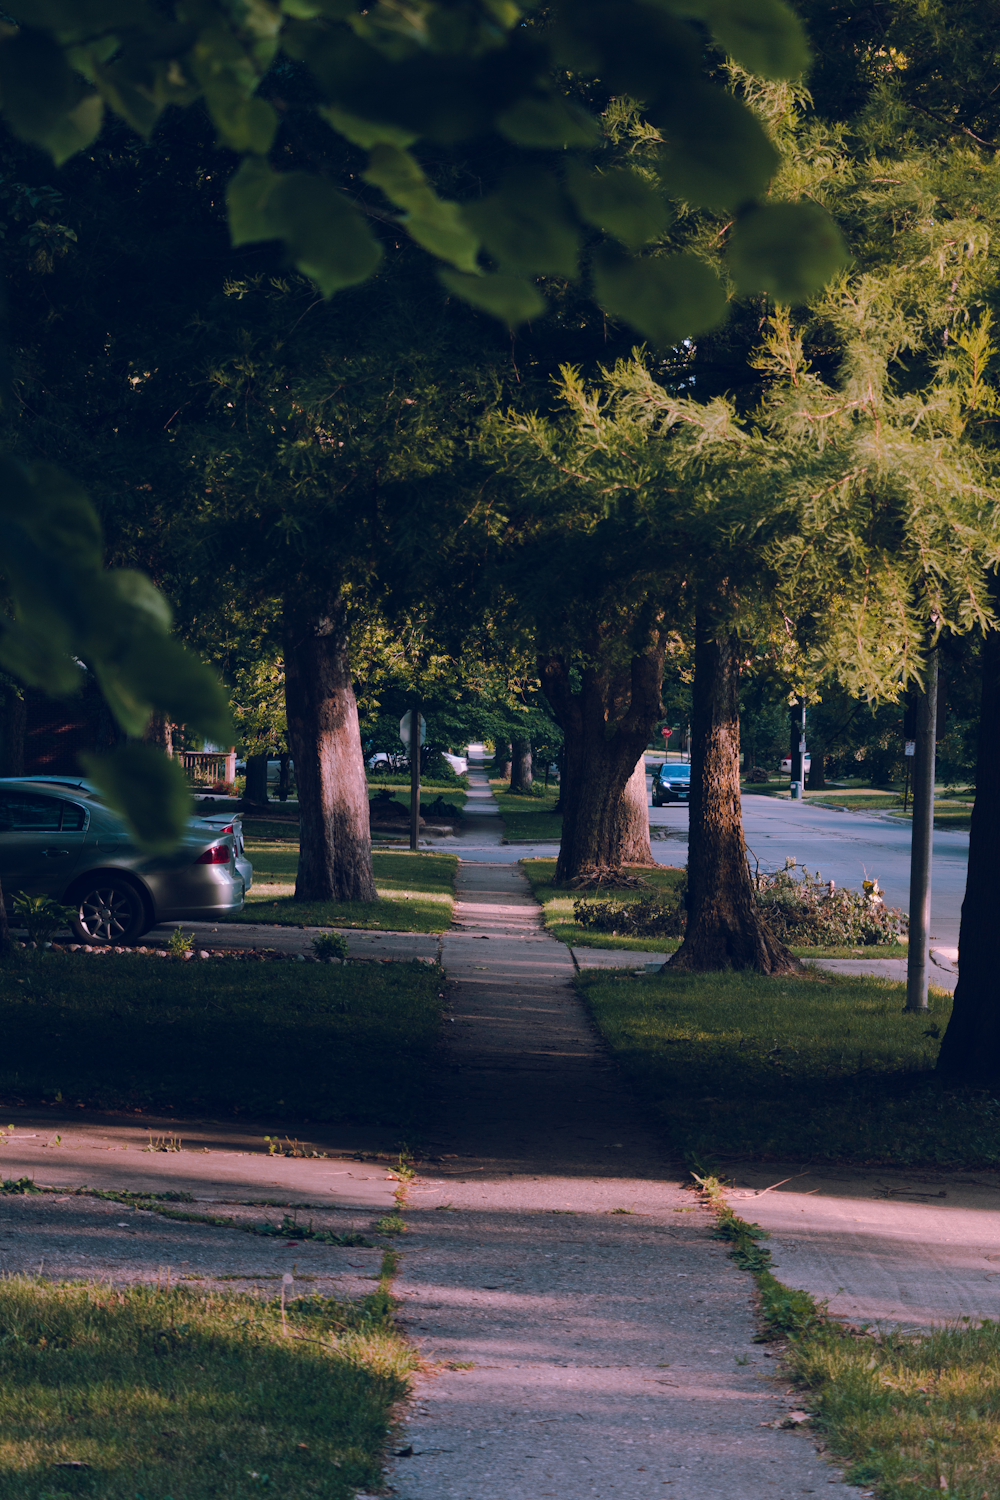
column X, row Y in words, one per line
column 556, row 1253
column 912, row 1247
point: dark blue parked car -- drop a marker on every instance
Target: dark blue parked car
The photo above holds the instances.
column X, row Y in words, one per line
column 671, row 783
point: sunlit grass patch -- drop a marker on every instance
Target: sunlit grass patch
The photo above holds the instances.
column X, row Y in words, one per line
column 416, row 892
column 913, row 1414
column 118, row 1393
column 816, row 1068
column 529, row 818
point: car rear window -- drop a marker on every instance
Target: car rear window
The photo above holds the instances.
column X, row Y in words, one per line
column 24, row 810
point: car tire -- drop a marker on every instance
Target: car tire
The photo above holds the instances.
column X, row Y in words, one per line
column 657, row 802
column 109, row 910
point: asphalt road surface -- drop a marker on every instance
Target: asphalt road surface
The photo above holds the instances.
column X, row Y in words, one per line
column 847, row 847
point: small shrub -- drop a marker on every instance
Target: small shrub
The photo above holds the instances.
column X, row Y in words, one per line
column 806, row 910
column 41, row 916
column 439, row 808
column 330, row 945
column 648, row 917
column 180, row 943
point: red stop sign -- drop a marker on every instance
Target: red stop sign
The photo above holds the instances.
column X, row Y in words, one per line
column 666, row 733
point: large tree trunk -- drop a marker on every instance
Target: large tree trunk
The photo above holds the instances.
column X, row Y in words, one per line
column 159, row 731
column 255, row 790
column 970, row 1052
column 633, row 820
column 607, row 722
column 335, row 857
column 816, row 777
column 724, row 928
column 13, row 728
column 501, row 763
column 520, row 769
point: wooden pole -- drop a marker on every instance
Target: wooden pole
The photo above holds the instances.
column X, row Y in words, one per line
column 922, row 842
column 414, row 775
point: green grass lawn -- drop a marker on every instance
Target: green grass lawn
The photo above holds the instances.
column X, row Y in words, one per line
column 529, row 819
column 402, row 783
column 129, row 1393
column 416, row 891
column 820, row 1068
column 278, row 1041
column 557, row 906
column 911, row 1414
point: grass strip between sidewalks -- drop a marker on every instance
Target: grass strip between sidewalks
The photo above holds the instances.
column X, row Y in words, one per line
column 557, row 908
column 416, row 891
column 528, row 819
column 119, row 1392
column 319, row 1042
column 817, row 1068
column 909, row 1414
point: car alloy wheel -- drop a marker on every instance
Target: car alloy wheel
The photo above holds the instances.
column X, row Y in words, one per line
column 109, row 911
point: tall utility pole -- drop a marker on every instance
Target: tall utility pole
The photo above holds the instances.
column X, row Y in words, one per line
column 921, row 847
column 414, row 774
column 797, row 747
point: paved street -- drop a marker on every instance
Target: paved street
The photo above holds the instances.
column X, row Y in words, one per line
column 844, row 846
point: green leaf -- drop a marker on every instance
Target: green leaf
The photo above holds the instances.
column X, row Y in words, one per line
column 525, row 225
column 666, row 298
column 334, row 10
column 366, row 133
column 432, row 221
column 34, row 658
column 151, row 670
column 326, row 237
column 763, row 36
column 243, row 124
column 789, row 250
column 620, row 202
column 148, row 789
column 718, row 154
column 44, row 101
column 548, row 123
column 247, row 194
column 508, row 298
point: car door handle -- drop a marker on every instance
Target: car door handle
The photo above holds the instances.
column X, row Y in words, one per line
column 55, row 853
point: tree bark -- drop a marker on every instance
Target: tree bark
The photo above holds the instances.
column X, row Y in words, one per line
column 816, row 778
column 13, row 728
column 633, row 820
column 159, row 731
column 607, row 724
column 335, row 857
column 501, row 764
column 970, row 1052
column 256, row 783
column 520, row 770
column 725, row 928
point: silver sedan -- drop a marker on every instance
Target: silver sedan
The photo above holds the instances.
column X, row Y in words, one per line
column 57, row 838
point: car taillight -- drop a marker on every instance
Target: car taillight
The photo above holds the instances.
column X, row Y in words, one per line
column 219, row 855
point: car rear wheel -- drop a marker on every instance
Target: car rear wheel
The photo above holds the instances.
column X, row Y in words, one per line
column 109, row 910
